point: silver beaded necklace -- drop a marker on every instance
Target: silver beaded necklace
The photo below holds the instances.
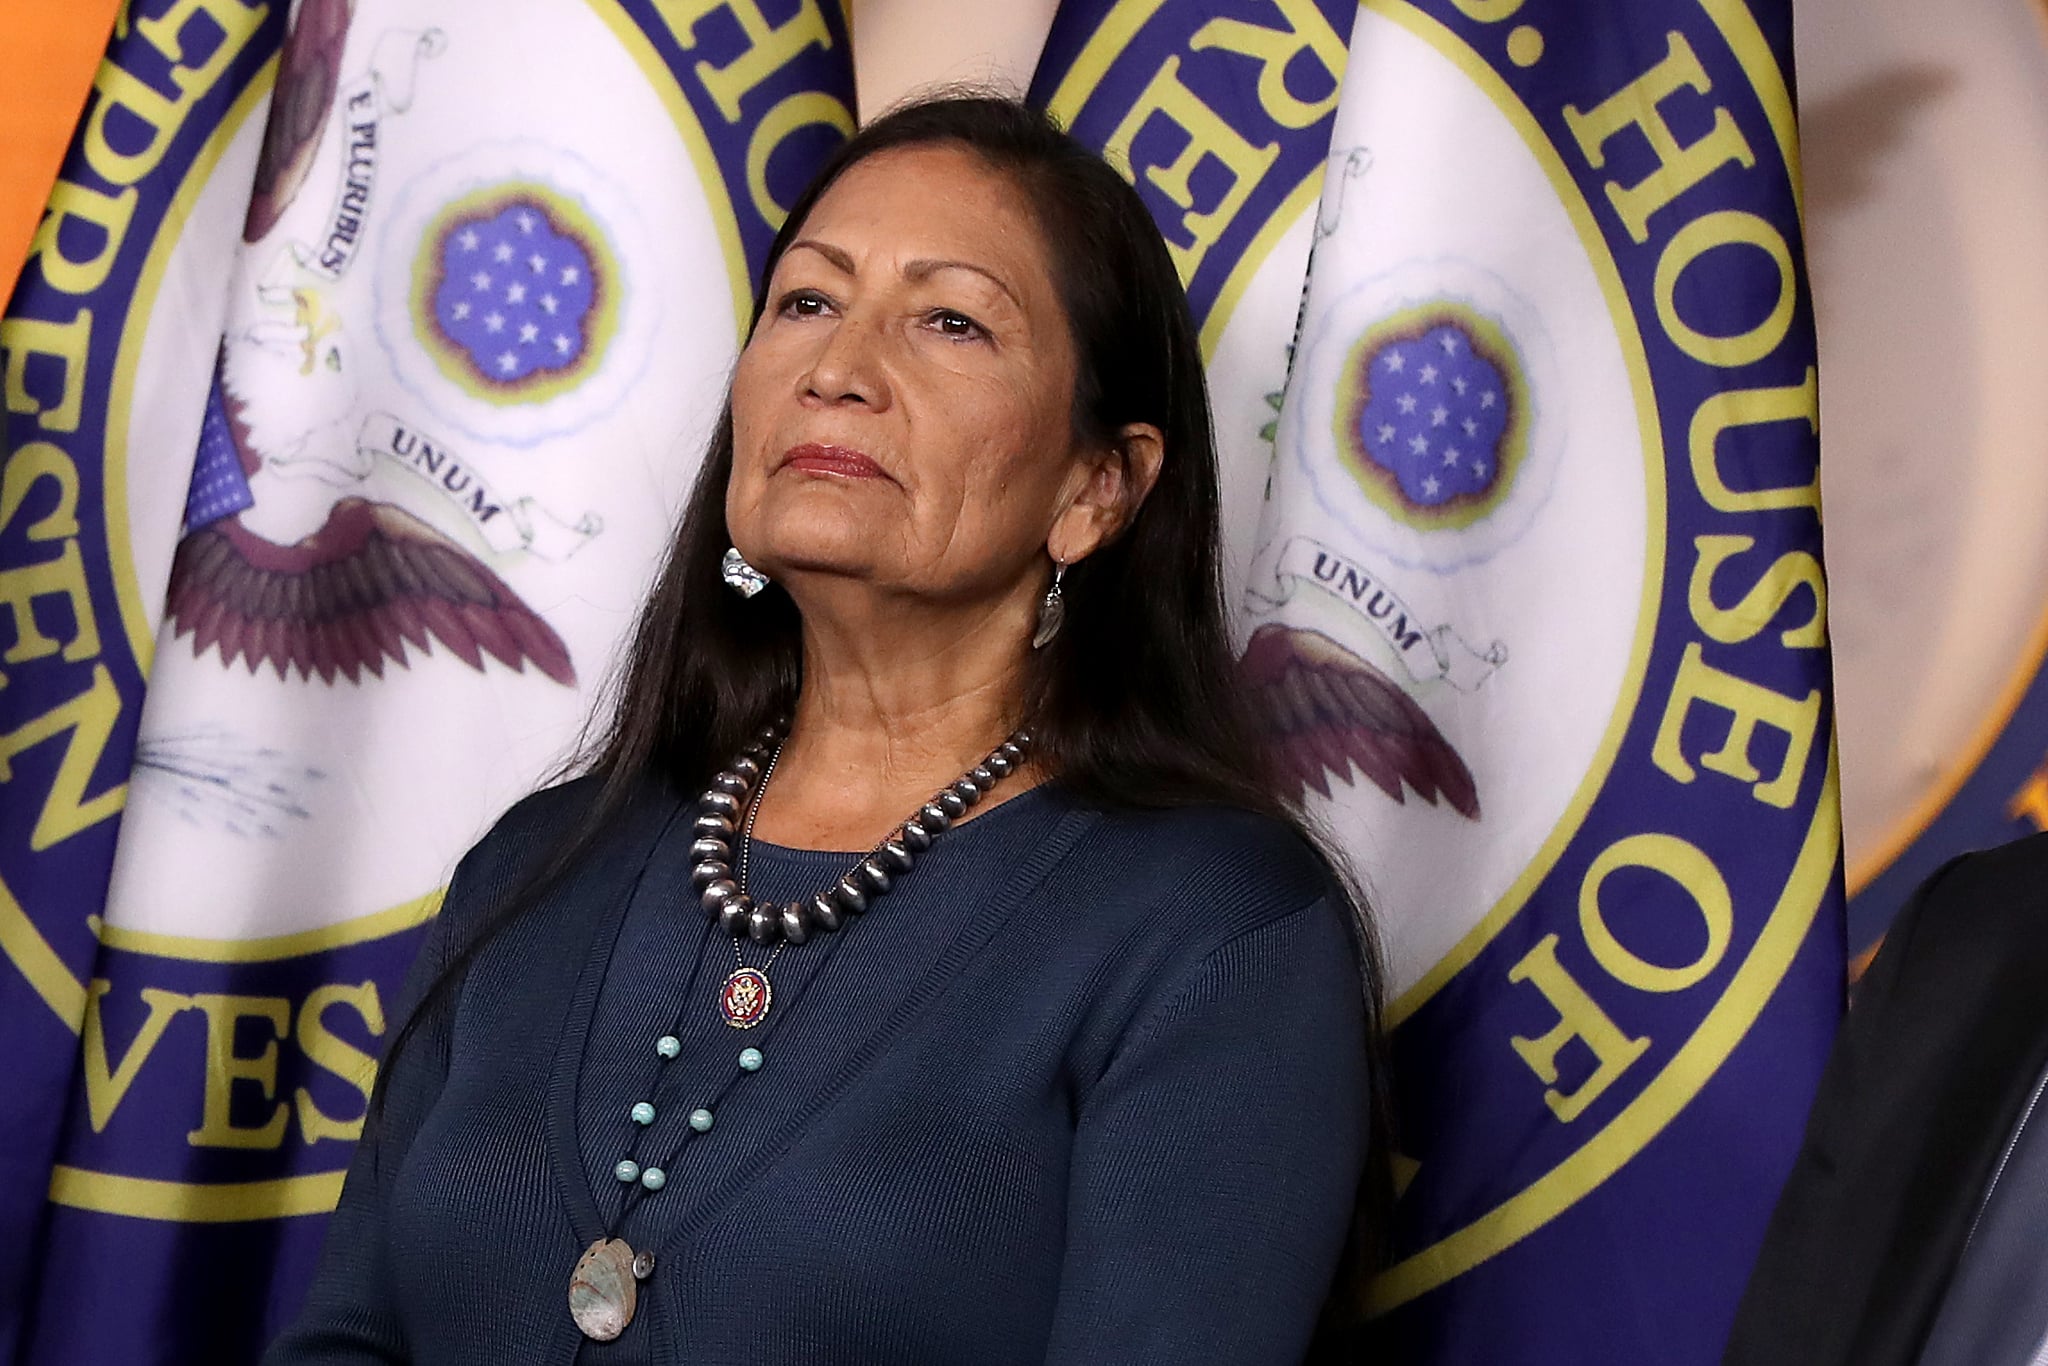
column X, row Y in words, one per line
column 737, row 999
column 726, row 812
column 604, row 1285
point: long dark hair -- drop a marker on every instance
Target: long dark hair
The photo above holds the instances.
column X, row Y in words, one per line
column 1136, row 703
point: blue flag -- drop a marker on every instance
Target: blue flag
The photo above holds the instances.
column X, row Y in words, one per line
column 456, row 365
column 1536, row 612
column 1220, row 116
column 120, row 297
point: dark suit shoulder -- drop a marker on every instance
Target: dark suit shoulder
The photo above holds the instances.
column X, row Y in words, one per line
column 1940, row 1048
column 1973, row 915
column 2006, row 882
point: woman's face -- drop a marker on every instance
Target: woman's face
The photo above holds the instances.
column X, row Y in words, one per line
column 901, row 412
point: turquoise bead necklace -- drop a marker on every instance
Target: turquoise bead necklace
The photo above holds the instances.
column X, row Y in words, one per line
column 645, row 1179
column 603, row 1290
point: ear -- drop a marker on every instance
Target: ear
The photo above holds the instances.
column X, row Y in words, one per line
column 1106, row 493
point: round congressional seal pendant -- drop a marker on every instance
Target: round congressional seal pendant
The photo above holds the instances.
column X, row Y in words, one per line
column 744, row 998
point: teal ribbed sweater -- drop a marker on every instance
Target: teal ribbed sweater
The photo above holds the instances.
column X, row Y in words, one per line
column 1086, row 1087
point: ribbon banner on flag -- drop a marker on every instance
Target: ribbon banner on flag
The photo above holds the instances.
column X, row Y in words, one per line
column 1555, row 383
column 450, row 392
column 1428, row 653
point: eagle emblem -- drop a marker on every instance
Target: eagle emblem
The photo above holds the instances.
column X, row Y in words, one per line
column 350, row 596
column 350, row 593
column 1329, row 714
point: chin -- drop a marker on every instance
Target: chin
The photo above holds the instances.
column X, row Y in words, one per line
column 844, row 547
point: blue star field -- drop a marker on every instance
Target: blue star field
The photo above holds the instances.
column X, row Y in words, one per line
column 514, row 293
column 1436, row 409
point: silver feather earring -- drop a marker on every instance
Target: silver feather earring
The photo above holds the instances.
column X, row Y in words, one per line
column 1052, row 609
column 741, row 577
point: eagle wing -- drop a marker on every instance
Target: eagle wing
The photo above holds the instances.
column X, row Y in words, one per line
column 1328, row 712
column 352, row 595
column 309, row 74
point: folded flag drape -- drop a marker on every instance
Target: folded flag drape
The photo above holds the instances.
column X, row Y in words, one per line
column 460, row 347
column 1534, row 604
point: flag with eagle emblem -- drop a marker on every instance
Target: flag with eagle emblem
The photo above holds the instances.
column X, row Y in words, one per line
column 1537, row 621
column 409, row 476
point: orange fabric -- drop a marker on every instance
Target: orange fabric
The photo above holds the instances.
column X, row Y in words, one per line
column 49, row 50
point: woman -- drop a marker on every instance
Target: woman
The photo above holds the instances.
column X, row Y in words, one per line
column 1066, row 1063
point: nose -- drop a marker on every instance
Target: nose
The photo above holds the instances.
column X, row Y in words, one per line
column 847, row 367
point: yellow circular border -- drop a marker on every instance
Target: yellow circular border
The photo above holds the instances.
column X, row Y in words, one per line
column 717, row 196
column 317, row 1192
column 21, row 939
column 1812, row 873
column 128, row 359
column 1657, row 1104
column 192, row 1202
column 1112, row 34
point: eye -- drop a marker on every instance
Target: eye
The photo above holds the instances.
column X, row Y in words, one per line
column 803, row 303
column 951, row 323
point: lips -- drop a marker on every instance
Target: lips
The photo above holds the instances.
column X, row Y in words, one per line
column 842, row 461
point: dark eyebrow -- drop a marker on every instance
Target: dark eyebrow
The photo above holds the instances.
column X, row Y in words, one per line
column 825, row 249
column 924, row 270
column 919, row 270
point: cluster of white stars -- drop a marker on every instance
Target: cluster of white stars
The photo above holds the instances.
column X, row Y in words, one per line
column 1430, row 485
column 536, row 263
column 516, row 292
column 1440, row 416
column 1414, row 363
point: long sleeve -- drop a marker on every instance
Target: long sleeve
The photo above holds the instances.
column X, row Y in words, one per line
column 1217, row 1159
